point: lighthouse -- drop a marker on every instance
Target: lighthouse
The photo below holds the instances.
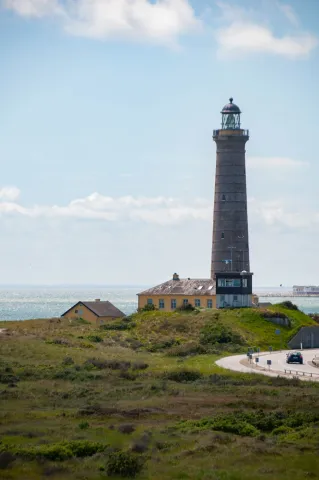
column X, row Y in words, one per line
column 230, row 264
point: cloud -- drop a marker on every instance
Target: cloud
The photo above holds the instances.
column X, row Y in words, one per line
column 9, row 193
column 161, row 211
column 274, row 162
column 289, row 13
column 154, row 210
column 241, row 34
column 34, row 8
column 161, row 21
column 275, row 214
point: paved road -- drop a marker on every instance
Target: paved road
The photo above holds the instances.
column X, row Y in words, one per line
column 307, row 371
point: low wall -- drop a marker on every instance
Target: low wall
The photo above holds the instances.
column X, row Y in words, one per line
column 307, row 336
column 279, row 321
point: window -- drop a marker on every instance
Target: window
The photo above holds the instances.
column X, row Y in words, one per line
column 223, row 235
column 81, row 312
column 76, row 311
column 200, row 287
column 222, row 298
column 209, row 303
column 223, row 198
column 197, row 302
column 221, row 282
column 149, row 301
column 235, row 298
column 161, row 303
column 173, row 304
column 231, row 282
column 185, row 301
column 245, row 283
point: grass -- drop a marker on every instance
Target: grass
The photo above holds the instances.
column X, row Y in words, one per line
column 78, row 402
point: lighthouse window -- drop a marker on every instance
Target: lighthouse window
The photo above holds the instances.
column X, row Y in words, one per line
column 245, row 282
column 223, row 198
column 223, row 235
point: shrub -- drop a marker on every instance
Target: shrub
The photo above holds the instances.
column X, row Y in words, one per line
column 95, row 338
column 128, row 376
column 59, row 452
column 139, row 366
column 6, row 458
column 112, row 364
column 68, row 361
column 183, row 376
column 289, row 305
column 59, row 341
column 124, row 325
column 147, row 308
column 170, row 342
column 185, row 308
column 124, row 464
column 216, row 333
column 84, row 425
column 127, row 429
column 187, row 349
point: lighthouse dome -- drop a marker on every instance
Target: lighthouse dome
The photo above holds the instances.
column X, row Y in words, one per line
column 231, row 107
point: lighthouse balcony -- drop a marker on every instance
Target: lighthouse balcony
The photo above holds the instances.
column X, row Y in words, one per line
column 229, row 131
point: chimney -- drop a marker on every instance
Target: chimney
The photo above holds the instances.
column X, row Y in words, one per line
column 97, row 299
column 175, row 276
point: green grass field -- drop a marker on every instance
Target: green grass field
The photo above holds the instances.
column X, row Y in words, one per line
column 146, row 400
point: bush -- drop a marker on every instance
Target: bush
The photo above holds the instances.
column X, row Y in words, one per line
column 124, row 325
column 183, row 376
column 6, row 458
column 95, row 338
column 112, row 364
column 59, row 452
column 170, row 342
column 185, row 308
column 124, row 464
column 187, row 349
column 68, row 361
column 216, row 333
column 84, row 425
column 289, row 305
column 139, row 366
column 147, row 308
column 127, row 428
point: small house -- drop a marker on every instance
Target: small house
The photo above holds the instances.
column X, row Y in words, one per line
column 97, row 312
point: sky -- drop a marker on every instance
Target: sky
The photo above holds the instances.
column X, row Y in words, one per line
column 107, row 109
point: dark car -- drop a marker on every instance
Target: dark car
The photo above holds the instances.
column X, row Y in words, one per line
column 294, row 357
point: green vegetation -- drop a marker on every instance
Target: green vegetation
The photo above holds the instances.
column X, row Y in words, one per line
column 143, row 398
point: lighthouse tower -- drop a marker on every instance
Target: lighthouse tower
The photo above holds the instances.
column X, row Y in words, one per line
column 230, row 250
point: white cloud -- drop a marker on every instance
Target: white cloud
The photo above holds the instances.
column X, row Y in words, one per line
column 274, row 162
column 161, row 211
column 159, row 21
column 9, row 193
column 275, row 213
column 241, row 34
column 289, row 13
column 154, row 210
column 34, row 8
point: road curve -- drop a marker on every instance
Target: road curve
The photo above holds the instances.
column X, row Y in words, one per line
column 307, row 371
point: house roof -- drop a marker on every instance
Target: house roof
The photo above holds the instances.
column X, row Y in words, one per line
column 100, row 309
column 183, row 286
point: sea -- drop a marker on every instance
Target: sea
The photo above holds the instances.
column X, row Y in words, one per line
column 24, row 303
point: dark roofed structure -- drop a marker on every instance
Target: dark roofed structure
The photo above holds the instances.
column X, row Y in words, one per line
column 183, row 286
column 100, row 309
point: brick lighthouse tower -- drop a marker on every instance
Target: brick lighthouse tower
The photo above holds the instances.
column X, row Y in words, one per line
column 230, row 249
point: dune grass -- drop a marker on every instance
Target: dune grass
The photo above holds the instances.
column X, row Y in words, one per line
column 141, row 401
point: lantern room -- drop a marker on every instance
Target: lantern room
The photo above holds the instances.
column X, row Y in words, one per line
column 230, row 116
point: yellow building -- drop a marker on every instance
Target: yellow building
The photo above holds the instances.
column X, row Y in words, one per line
column 96, row 312
column 179, row 292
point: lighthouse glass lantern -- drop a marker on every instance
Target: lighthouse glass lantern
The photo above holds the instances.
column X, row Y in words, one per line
column 230, row 116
